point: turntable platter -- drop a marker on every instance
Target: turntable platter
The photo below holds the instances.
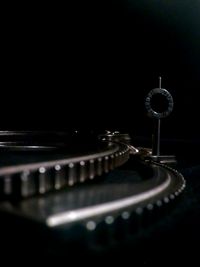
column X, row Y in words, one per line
column 25, row 171
column 75, row 194
column 94, row 202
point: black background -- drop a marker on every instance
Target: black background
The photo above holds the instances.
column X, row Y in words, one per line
column 90, row 65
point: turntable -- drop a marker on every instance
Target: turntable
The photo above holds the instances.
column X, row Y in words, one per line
column 80, row 193
column 130, row 193
column 86, row 193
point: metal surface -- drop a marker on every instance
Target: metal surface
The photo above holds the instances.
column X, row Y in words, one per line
column 32, row 140
column 37, row 190
column 91, row 204
column 25, row 175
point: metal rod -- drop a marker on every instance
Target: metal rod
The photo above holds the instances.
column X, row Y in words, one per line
column 156, row 139
column 160, row 81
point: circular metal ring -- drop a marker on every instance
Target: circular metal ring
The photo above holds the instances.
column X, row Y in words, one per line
column 151, row 112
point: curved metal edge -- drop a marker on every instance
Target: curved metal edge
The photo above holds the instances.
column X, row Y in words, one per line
column 163, row 194
column 39, row 178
